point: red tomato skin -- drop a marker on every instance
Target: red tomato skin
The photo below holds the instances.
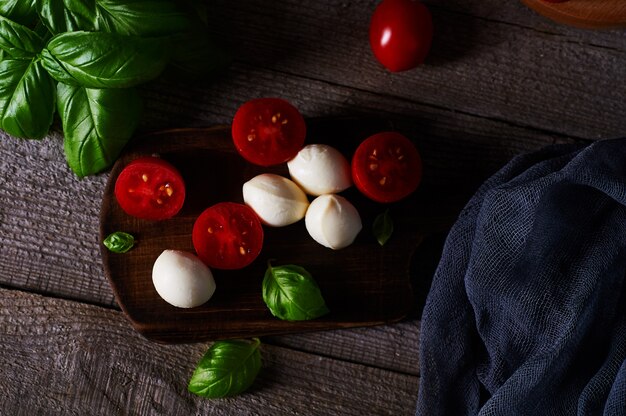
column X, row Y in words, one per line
column 268, row 131
column 219, row 217
column 405, row 176
column 150, row 209
column 401, row 33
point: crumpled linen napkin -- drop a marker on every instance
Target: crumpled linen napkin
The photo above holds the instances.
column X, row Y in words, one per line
column 526, row 314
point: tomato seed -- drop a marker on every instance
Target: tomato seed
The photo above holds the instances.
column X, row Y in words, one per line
column 144, row 177
column 373, row 166
column 210, row 230
column 242, row 251
column 251, row 137
column 383, row 180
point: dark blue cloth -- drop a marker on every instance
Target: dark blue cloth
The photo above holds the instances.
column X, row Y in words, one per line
column 526, row 314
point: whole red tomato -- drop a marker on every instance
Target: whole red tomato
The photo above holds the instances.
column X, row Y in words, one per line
column 401, row 32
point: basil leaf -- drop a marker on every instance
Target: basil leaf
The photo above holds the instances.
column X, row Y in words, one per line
column 226, row 369
column 119, row 242
column 27, row 96
column 291, row 293
column 383, row 227
column 17, row 41
column 21, row 11
column 138, row 17
column 103, row 60
column 97, row 124
column 67, row 16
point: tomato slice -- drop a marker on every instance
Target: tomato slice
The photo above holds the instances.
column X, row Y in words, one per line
column 150, row 188
column 228, row 236
column 268, row 131
column 386, row 167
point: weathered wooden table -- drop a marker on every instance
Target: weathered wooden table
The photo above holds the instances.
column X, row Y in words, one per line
column 500, row 80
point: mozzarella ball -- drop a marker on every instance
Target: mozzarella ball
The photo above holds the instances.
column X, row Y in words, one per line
column 320, row 169
column 275, row 199
column 182, row 280
column 332, row 221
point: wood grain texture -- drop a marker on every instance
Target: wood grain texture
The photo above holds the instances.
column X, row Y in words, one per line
column 482, row 67
column 596, row 14
column 62, row 357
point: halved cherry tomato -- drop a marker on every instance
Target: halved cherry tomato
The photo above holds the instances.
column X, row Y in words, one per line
column 268, row 131
column 386, row 167
column 401, row 32
column 228, row 236
column 150, row 188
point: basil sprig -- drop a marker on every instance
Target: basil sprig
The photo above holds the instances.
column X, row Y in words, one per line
column 119, row 242
column 228, row 368
column 84, row 45
column 382, row 227
column 291, row 293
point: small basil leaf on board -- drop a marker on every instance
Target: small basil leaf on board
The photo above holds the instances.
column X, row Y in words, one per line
column 104, row 60
column 291, row 293
column 97, row 124
column 382, row 227
column 119, row 242
column 27, row 97
column 21, row 11
column 17, row 41
column 228, row 368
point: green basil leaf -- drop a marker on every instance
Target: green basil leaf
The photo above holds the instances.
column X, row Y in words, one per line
column 141, row 17
column 104, row 60
column 119, row 242
column 27, row 97
column 138, row 17
column 226, row 369
column 291, row 293
column 21, row 11
column 67, row 16
column 382, row 227
column 17, row 41
column 97, row 124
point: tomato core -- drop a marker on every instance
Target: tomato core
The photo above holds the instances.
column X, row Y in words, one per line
column 386, row 167
column 228, row 236
column 150, row 188
column 268, row 131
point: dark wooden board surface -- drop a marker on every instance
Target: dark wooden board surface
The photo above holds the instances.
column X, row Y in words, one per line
column 500, row 80
column 363, row 285
column 596, row 14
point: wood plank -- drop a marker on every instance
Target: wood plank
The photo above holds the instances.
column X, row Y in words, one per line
column 393, row 347
column 63, row 357
column 479, row 66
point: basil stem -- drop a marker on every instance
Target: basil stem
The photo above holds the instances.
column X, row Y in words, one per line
column 119, row 242
column 226, row 369
column 383, row 227
column 291, row 293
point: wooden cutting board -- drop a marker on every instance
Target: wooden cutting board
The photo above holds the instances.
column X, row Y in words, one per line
column 363, row 284
column 588, row 14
